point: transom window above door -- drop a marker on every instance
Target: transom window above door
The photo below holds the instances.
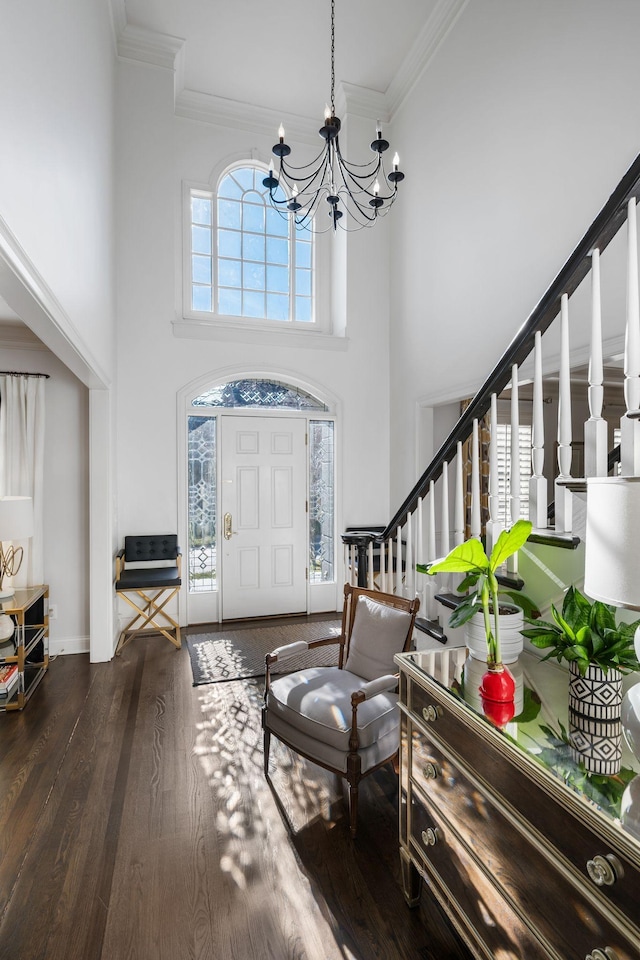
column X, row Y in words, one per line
column 246, row 258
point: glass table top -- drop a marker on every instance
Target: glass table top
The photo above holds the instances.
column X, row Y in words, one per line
column 590, row 757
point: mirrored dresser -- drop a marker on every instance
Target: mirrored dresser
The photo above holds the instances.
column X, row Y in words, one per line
column 509, row 827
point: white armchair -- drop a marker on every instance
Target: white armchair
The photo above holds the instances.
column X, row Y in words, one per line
column 344, row 718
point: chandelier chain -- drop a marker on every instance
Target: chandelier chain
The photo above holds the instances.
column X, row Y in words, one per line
column 333, row 51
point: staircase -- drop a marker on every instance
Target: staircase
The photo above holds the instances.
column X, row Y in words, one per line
column 449, row 504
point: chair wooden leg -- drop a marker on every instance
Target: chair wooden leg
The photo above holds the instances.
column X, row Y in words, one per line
column 353, row 809
column 267, row 747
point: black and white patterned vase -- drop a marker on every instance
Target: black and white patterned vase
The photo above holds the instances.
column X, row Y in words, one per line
column 597, row 695
column 597, row 744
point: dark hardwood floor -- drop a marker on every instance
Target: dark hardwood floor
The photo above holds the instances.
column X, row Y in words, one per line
column 136, row 824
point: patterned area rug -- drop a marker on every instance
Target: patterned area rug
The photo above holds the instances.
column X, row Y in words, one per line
column 239, row 654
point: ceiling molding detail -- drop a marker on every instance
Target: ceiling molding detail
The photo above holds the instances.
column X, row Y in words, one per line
column 18, row 336
column 364, row 102
column 423, row 50
column 118, row 13
column 244, row 116
column 158, row 49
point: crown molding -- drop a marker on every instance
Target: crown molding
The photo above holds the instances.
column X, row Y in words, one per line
column 18, row 336
column 146, row 46
column 370, row 104
column 425, row 47
column 244, row 116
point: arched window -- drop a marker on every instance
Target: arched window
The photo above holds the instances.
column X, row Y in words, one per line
column 247, row 260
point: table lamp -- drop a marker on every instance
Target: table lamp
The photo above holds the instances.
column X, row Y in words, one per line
column 16, row 523
column 612, row 575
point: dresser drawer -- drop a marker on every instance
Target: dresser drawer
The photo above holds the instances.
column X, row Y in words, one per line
column 470, row 745
column 571, row 918
column 467, row 892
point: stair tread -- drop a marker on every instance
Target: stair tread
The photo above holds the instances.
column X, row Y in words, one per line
column 432, row 628
column 566, row 541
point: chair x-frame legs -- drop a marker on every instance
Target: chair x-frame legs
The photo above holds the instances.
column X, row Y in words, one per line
column 148, row 609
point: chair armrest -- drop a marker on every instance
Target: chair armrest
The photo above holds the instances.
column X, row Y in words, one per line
column 119, row 563
column 300, row 646
column 374, row 687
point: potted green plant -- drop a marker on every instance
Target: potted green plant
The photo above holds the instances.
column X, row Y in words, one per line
column 471, row 559
column 598, row 650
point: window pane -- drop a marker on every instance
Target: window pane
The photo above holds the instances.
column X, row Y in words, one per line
column 277, row 224
column 277, row 307
column 253, row 304
column 303, row 309
column 230, row 302
column 229, row 273
column 200, row 210
column 201, row 269
column 229, row 243
column 200, row 240
column 321, row 501
column 303, row 283
column 245, row 178
column 230, row 189
column 229, row 214
column 254, row 276
column 201, row 298
column 277, row 250
column 253, row 246
column 253, row 217
column 202, row 503
column 303, row 253
column 278, row 279
column 258, row 393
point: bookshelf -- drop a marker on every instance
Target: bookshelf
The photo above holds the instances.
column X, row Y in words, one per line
column 29, row 609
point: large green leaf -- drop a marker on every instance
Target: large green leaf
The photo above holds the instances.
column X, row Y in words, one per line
column 602, row 617
column 467, row 557
column 465, row 610
column 509, row 542
column 562, row 623
column 576, row 609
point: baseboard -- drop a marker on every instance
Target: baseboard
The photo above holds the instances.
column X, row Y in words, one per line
column 69, row 645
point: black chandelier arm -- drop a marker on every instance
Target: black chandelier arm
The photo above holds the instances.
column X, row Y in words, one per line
column 306, row 182
column 374, row 164
column 366, row 189
column 305, row 166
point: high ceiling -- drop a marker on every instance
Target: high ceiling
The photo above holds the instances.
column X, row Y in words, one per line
column 277, row 55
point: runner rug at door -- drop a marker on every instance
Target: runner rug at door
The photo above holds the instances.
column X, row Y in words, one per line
column 239, row 654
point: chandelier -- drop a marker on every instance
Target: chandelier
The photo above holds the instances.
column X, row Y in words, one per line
column 364, row 191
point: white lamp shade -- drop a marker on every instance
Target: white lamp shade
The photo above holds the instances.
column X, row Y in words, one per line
column 612, row 542
column 16, row 518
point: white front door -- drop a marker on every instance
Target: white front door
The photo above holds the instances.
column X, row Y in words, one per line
column 262, row 527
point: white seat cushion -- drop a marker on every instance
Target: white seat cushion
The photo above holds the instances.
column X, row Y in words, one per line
column 379, row 632
column 317, row 702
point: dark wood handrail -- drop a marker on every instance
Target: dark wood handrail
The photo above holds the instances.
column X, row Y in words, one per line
column 599, row 235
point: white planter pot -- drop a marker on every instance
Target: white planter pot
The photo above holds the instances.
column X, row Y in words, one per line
column 511, row 640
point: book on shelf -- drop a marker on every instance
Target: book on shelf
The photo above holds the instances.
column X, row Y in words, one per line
column 9, row 677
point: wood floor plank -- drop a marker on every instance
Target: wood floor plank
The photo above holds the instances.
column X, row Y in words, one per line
column 136, row 823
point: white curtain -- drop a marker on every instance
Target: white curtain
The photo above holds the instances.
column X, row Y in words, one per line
column 22, row 461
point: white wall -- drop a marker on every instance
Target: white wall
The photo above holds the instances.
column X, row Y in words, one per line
column 66, row 497
column 56, row 199
column 511, row 141
column 157, row 152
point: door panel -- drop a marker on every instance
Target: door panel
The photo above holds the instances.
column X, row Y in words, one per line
column 264, row 551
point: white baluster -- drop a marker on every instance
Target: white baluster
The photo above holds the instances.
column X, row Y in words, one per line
column 420, row 557
column 494, row 524
column 537, row 481
column 562, row 495
column 398, row 589
column 370, row 571
column 431, row 589
column 475, row 526
column 445, row 579
column 629, row 425
column 458, row 501
column 514, row 469
column 595, row 428
column 410, row 571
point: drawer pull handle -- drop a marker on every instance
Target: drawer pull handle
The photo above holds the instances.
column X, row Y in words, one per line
column 430, row 771
column 430, row 713
column 430, row 837
column 598, row 954
column 604, row 871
